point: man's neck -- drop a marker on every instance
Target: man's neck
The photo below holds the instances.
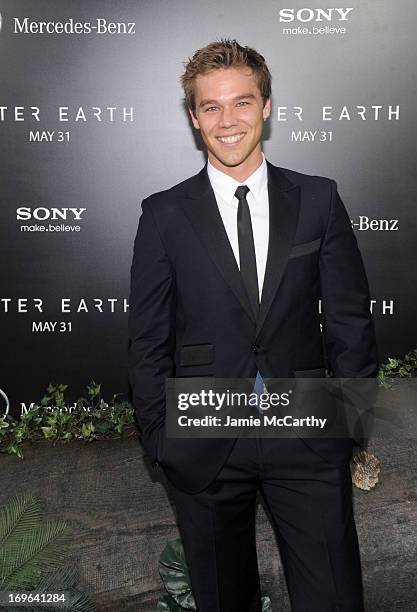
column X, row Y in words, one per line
column 241, row 172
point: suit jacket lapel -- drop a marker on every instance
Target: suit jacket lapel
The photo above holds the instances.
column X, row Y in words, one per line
column 284, row 201
column 201, row 208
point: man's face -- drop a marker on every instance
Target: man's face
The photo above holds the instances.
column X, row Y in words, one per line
column 229, row 113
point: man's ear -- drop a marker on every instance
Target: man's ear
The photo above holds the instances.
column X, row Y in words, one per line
column 194, row 119
column 266, row 109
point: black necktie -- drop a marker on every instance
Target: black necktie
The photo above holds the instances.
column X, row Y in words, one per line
column 247, row 249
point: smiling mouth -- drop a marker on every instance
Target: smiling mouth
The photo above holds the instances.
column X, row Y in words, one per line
column 231, row 139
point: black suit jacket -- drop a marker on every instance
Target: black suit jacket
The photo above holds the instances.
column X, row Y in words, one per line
column 190, row 316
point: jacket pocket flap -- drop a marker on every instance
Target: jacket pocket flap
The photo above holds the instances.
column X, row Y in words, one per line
column 196, row 354
column 316, row 373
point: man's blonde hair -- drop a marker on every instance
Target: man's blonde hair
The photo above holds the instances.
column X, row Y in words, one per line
column 226, row 53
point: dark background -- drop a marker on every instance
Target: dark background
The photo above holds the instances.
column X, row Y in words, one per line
column 108, row 167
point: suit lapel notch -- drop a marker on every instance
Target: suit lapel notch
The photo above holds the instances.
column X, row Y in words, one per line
column 201, row 208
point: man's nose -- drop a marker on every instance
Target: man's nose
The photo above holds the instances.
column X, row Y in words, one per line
column 227, row 117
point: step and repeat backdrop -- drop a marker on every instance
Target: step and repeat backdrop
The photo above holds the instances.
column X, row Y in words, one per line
column 92, row 120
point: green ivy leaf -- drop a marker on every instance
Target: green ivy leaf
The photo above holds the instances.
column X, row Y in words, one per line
column 399, row 367
column 175, row 575
column 266, row 604
column 103, row 427
column 4, row 424
column 48, row 432
column 167, row 604
column 87, row 430
column 404, row 371
column 14, row 449
column 93, row 389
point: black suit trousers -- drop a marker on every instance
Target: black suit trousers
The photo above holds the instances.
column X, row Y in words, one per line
column 309, row 501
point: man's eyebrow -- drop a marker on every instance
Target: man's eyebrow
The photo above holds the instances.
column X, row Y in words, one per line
column 241, row 97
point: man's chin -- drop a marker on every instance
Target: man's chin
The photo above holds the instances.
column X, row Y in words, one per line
column 231, row 161
column 233, row 164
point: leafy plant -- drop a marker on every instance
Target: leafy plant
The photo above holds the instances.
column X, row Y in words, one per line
column 403, row 367
column 32, row 555
column 174, row 572
column 92, row 417
column 89, row 418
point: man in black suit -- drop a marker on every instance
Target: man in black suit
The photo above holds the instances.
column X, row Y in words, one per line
column 228, row 270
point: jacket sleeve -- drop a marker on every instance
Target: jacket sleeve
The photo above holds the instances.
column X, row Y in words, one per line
column 150, row 327
column 349, row 335
column 348, row 325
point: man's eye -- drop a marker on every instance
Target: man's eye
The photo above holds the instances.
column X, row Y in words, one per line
column 210, row 108
column 242, row 103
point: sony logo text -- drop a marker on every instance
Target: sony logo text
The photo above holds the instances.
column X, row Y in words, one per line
column 308, row 14
column 42, row 213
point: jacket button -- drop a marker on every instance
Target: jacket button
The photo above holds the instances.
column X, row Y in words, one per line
column 256, row 348
column 155, row 463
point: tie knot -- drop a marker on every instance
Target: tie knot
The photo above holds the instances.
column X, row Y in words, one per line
column 241, row 192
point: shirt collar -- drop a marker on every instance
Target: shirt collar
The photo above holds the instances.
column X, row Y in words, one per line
column 225, row 185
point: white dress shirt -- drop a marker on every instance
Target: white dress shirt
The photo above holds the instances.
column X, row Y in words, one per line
column 224, row 187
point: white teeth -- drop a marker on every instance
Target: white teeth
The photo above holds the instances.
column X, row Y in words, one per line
column 230, row 139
